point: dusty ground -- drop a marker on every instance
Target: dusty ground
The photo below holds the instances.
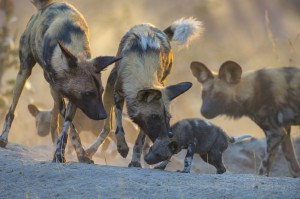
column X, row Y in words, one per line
column 255, row 33
column 27, row 172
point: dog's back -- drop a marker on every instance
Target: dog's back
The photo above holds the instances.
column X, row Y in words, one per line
column 206, row 133
column 52, row 22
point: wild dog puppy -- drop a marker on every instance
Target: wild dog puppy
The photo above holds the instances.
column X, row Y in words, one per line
column 56, row 38
column 197, row 136
column 140, row 78
column 80, row 120
column 269, row 96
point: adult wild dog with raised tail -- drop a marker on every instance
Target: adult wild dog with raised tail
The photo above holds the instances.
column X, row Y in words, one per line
column 56, row 38
column 139, row 79
column 270, row 97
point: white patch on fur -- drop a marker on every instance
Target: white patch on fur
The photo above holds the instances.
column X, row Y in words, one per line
column 149, row 41
column 207, row 123
column 147, row 38
column 187, row 160
column 186, row 29
column 196, row 123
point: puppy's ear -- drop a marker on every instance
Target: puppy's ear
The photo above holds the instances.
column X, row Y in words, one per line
column 201, row 72
column 174, row 147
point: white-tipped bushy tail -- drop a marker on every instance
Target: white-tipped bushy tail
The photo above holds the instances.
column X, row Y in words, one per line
column 239, row 138
column 184, row 30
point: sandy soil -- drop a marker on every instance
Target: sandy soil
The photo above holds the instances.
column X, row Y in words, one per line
column 27, row 172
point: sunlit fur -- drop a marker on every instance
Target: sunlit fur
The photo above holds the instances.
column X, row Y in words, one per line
column 56, row 37
column 146, row 63
column 269, row 96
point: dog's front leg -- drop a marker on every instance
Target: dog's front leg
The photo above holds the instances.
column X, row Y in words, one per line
column 59, row 155
column 59, row 107
column 120, row 135
column 189, row 157
column 137, row 150
column 108, row 102
column 27, row 62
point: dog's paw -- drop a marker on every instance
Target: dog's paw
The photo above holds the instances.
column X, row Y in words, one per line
column 85, row 159
column 135, row 164
column 123, row 150
column 3, row 142
column 58, row 158
column 183, row 171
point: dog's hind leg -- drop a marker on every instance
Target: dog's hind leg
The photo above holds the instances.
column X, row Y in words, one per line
column 274, row 137
column 27, row 62
column 289, row 153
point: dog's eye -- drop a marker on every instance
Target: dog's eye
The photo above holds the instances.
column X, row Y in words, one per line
column 89, row 94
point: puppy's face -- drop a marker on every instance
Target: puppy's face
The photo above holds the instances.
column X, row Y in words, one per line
column 162, row 149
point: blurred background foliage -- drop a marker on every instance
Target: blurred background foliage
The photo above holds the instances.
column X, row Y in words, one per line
column 8, row 52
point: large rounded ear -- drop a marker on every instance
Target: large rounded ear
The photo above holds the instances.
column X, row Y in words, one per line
column 71, row 59
column 174, row 147
column 33, row 110
column 177, row 89
column 148, row 95
column 102, row 62
column 230, row 72
column 201, row 72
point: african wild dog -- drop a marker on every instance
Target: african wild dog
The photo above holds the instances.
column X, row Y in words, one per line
column 139, row 79
column 197, row 136
column 80, row 120
column 269, row 96
column 56, row 38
